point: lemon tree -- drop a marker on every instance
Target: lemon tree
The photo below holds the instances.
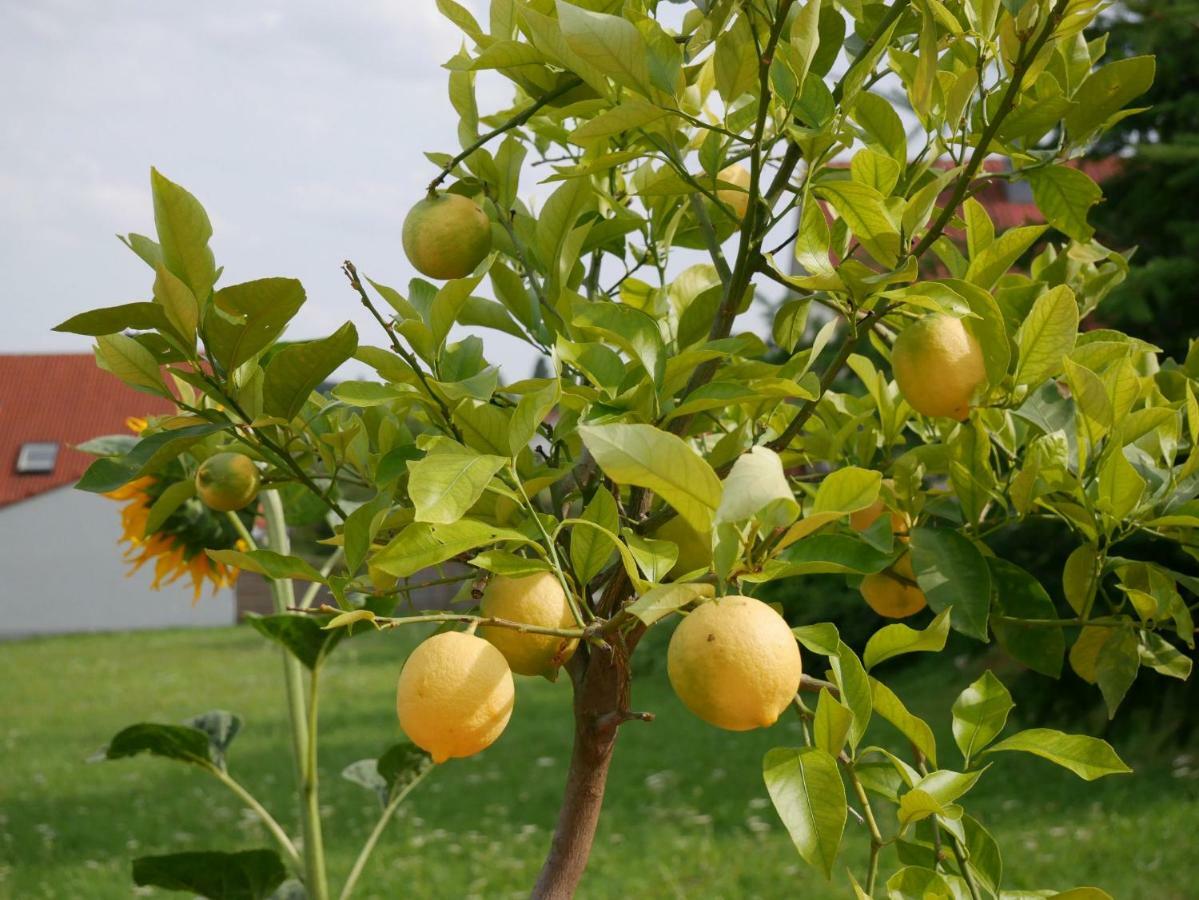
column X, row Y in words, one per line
column 926, row 381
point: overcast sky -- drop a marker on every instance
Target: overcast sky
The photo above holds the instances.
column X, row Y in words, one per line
column 300, row 125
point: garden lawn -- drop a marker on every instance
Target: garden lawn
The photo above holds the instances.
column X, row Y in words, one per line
column 686, row 813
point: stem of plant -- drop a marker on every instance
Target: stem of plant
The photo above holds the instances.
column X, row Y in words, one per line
column 876, row 836
column 302, row 737
column 368, row 848
column 272, row 825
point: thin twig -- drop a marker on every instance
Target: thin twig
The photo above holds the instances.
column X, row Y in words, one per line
column 514, row 122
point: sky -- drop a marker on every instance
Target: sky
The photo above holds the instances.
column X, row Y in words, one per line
column 300, row 125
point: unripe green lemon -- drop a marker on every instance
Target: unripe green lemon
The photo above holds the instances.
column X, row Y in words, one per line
column 938, row 366
column 695, row 551
column 455, row 695
column 734, row 663
column 446, row 236
column 227, row 481
column 536, row 599
column 891, row 597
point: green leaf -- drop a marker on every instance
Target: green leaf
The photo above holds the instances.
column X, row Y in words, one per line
column 1020, row 596
column 611, row 44
column 449, row 301
column 1065, row 195
column 267, row 563
column 631, row 113
column 421, row 545
column 824, row 553
column 895, row 640
column 1079, row 577
column 993, row 263
column 756, row 487
column 918, row 882
column 256, row 314
column 177, row 742
column 664, row 599
column 809, row 796
column 632, row 330
column 1116, row 667
column 298, row 369
column 1105, row 92
column 917, row 805
column 1046, row 336
column 110, row 472
column 1162, row 656
column 888, row 705
column 443, row 486
column 982, row 854
column 979, row 714
column 245, row 875
column 882, row 125
column 830, row 729
column 862, row 209
column 847, row 490
column 112, row 319
column 168, row 501
column 1082, row 893
column 645, row 456
column 820, row 638
column 183, row 233
column 178, row 303
column 953, row 575
column 1120, row 486
column 590, row 548
column 401, row 765
column 303, row 636
column 855, row 688
column 1087, row 757
column 530, row 412
column 131, row 362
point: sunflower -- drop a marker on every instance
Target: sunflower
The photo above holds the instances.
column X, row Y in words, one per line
column 177, row 546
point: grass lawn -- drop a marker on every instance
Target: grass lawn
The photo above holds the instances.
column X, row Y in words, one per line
column 686, row 813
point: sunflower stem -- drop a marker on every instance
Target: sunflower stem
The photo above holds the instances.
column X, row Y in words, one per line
column 303, row 728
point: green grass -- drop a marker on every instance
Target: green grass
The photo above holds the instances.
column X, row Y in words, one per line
column 686, row 813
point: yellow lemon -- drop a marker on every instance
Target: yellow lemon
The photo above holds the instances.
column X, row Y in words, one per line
column 938, row 366
column 533, row 600
column 227, row 481
column 893, row 597
column 455, row 695
column 695, row 551
column 446, row 236
column 734, row 663
column 737, row 200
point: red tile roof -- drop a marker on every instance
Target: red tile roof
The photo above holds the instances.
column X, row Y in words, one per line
column 64, row 399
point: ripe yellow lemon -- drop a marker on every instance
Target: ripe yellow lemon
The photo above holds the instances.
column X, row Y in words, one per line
column 227, row 481
column 938, row 366
column 891, row 597
column 534, row 600
column 734, row 663
column 695, row 551
column 446, row 236
column 455, row 695
column 736, row 200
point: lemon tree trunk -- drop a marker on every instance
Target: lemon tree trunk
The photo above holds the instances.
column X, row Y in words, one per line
column 601, row 693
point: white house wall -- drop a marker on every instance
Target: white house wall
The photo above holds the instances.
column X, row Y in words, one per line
column 61, row 570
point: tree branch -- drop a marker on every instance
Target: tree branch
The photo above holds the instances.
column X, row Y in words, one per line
column 515, row 122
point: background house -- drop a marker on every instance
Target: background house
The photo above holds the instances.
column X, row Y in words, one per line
column 60, row 566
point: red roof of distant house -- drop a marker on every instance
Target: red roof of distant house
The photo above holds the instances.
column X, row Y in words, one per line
column 62, row 399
